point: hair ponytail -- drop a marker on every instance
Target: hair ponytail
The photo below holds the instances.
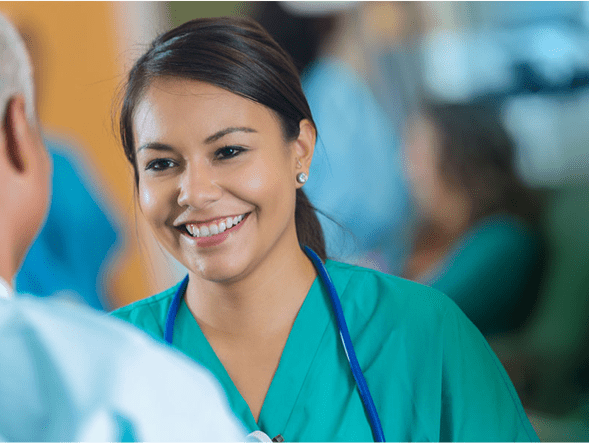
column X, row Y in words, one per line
column 309, row 231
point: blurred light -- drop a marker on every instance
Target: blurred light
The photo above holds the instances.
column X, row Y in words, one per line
column 552, row 137
column 313, row 9
column 557, row 53
column 522, row 13
column 446, row 66
column 491, row 65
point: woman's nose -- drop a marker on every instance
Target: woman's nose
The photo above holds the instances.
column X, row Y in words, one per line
column 198, row 187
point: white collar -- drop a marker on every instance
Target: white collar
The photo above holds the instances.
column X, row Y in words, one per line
column 5, row 289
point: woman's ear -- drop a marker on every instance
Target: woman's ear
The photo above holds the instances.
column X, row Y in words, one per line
column 304, row 146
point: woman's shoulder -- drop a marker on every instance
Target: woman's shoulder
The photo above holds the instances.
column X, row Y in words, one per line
column 417, row 333
column 358, row 275
column 149, row 313
column 493, row 241
column 372, row 291
column 504, row 229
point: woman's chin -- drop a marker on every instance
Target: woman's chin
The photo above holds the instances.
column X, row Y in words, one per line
column 218, row 270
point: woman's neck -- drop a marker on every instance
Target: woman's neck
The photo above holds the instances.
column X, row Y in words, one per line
column 262, row 303
column 247, row 323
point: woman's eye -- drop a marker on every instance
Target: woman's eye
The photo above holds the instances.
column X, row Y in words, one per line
column 160, row 164
column 228, row 152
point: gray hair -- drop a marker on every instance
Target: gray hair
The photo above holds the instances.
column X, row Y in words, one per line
column 16, row 73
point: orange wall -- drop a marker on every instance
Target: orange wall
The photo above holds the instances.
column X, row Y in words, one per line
column 80, row 70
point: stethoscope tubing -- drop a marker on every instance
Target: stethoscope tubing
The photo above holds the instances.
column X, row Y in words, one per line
column 173, row 311
column 365, row 395
column 369, row 405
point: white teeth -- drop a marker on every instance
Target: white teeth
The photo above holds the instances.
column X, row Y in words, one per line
column 213, row 229
column 192, row 230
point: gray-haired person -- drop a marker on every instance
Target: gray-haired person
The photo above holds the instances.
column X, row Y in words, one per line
column 67, row 373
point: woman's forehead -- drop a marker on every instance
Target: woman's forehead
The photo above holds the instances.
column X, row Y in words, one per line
column 168, row 92
column 198, row 108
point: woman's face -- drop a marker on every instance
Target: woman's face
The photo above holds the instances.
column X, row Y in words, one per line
column 217, row 180
column 421, row 163
column 436, row 198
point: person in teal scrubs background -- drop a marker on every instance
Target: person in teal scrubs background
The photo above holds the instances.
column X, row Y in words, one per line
column 221, row 138
column 478, row 239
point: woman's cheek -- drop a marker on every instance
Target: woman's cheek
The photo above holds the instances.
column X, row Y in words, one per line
column 255, row 180
column 148, row 202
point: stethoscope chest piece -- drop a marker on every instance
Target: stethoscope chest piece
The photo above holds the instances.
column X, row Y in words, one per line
column 258, row 436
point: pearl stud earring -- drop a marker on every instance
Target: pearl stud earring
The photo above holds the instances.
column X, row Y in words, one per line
column 302, row 177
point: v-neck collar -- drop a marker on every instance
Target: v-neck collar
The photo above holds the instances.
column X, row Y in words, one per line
column 296, row 360
column 193, row 343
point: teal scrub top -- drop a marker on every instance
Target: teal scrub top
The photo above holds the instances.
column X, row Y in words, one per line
column 495, row 297
column 432, row 375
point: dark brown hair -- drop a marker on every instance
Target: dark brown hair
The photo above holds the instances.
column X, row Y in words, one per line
column 238, row 55
column 476, row 154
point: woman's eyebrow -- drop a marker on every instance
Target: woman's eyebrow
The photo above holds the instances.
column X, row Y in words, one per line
column 210, row 139
column 223, row 132
column 156, row 147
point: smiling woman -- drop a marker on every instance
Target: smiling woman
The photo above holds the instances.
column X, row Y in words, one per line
column 207, row 156
column 219, row 133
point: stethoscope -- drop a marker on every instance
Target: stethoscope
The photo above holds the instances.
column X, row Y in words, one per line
column 369, row 406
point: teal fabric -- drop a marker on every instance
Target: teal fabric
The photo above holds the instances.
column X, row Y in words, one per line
column 80, row 235
column 493, row 273
column 432, row 375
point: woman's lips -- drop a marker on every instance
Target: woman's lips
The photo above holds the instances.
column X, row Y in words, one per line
column 214, row 228
column 212, row 239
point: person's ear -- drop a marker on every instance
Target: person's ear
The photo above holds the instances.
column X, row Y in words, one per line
column 19, row 134
column 304, row 146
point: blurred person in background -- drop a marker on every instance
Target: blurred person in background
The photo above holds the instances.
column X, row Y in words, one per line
column 356, row 181
column 67, row 373
column 477, row 240
column 71, row 253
